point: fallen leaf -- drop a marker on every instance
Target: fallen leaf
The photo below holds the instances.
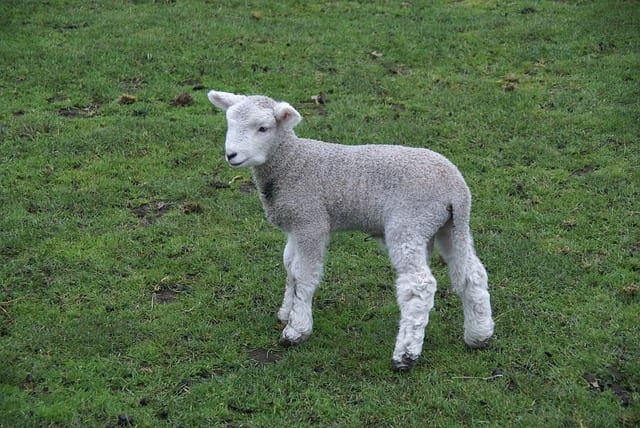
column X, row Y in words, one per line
column 591, row 379
column 320, row 98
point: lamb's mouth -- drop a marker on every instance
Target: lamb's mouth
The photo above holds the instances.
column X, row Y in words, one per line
column 236, row 164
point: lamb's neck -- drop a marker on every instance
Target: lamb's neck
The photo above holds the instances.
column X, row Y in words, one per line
column 279, row 160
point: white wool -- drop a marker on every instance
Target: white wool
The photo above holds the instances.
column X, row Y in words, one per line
column 411, row 197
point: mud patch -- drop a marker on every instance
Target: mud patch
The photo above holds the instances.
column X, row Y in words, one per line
column 165, row 293
column 265, row 356
column 152, row 211
column 182, row 100
column 192, row 208
column 164, row 296
column 79, row 112
column 611, row 381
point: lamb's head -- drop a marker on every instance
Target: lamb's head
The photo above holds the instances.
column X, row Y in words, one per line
column 255, row 125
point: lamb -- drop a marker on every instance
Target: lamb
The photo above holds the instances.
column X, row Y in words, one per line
column 409, row 196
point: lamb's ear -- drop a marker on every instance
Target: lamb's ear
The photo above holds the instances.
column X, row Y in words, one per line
column 287, row 115
column 224, row 100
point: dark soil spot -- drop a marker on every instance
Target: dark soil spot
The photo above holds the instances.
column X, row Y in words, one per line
column 265, row 356
column 192, row 208
column 583, row 171
column 610, row 382
column 69, row 27
column 220, row 185
column 127, row 99
column 125, row 420
column 152, row 211
column 164, row 295
column 519, row 191
column 257, row 68
column 168, row 291
column 399, row 70
column 182, row 100
column 78, row 112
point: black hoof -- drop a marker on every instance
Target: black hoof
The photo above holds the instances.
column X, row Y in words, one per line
column 404, row 365
column 286, row 342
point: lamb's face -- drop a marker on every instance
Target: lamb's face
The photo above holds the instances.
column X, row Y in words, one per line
column 251, row 132
column 253, row 126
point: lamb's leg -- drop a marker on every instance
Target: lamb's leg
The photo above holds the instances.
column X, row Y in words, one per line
column 287, row 301
column 469, row 280
column 415, row 290
column 304, row 274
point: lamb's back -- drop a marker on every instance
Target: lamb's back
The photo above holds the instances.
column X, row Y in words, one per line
column 360, row 187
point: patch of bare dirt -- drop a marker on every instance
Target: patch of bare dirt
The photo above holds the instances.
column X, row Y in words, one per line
column 265, row 356
column 152, row 211
column 79, row 112
column 182, row 100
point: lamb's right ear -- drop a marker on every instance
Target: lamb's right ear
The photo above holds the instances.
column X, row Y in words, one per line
column 224, row 100
column 287, row 115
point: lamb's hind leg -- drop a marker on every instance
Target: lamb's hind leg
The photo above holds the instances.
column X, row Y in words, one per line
column 303, row 257
column 415, row 290
column 469, row 280
column 287, row 302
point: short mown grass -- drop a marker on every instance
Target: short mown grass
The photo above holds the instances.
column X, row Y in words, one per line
column 139, row 279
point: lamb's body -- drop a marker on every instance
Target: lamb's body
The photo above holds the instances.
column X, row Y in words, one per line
column 357, row 187
column 409, row 196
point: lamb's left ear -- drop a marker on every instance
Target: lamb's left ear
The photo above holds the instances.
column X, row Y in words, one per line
column 224, row 100
column 287, row 115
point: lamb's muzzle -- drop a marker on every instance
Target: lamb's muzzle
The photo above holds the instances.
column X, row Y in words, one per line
column 412, row 197
column 230, row 157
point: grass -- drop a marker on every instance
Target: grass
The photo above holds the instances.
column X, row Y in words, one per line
column 139, row 279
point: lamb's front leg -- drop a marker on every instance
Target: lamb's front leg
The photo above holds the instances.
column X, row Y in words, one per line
column 303, row 256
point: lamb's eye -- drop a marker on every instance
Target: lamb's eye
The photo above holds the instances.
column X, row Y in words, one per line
column 262, row 129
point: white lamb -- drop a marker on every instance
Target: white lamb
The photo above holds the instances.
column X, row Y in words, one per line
column 409, row 196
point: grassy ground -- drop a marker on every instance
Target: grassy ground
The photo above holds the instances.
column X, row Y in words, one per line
column 139, row 280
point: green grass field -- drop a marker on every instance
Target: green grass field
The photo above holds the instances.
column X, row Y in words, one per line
column 139, row 279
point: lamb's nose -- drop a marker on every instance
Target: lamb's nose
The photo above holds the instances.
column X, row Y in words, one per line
column 231, row 155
